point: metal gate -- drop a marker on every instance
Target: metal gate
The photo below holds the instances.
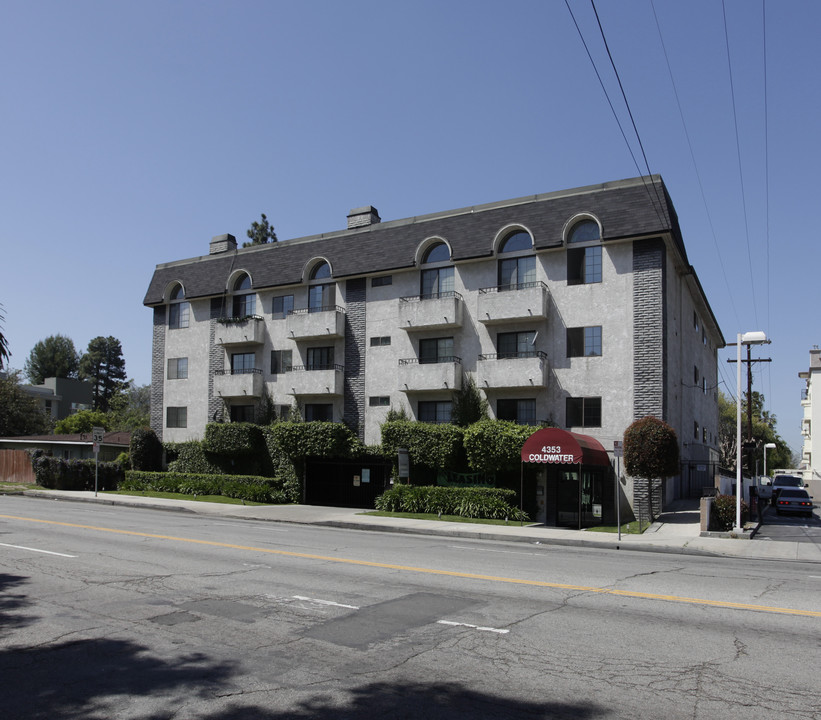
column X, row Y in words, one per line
column 345, row 483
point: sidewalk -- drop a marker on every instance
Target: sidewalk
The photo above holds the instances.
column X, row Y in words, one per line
column 677, row 530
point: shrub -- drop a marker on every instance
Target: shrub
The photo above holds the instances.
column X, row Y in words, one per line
column 431, row 446
column 124, row 460
column 233, row 440
column 722, row 517
column 145, row 450
column 243, row 487
column 495, row 445
column 189, row 457
column 58, row 474
column 314, row 439
column 480, row 503
column 650, row 449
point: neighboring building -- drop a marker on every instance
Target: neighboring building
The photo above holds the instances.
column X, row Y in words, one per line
column 61, row 397
column 578, row 308
column 78, row 446
column 811, row 452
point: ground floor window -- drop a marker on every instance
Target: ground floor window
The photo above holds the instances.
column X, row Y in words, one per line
column 518, row 411
column 315, row 412
column 583, row 412
column 434, row 411
column 242, row 413
column 176, row 417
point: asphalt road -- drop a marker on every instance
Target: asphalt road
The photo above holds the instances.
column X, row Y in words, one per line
column 112, row 612
column 789, row 527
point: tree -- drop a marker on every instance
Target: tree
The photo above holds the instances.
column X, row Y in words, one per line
column 4, row 345
column 260, row 233
column 53, row 357
column 468, row 404
column 651, row 453
column 104, row 366
column 82, row 422
column 19, row 412
column 130, row 409
column 764, row 424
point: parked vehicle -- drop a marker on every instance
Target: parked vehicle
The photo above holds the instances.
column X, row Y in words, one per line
column 794, row 500
column 780, row 482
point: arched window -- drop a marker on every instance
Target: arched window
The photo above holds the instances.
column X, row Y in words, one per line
column 519, row 270
column 321, row 295
column 584, row 231
column 179, row 310
column 437, row 281
column 244, row 301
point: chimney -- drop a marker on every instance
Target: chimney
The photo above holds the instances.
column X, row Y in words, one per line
column 362, row 217
column 222, row 243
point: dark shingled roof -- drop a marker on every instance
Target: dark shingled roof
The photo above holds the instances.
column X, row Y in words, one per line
column 625, row 208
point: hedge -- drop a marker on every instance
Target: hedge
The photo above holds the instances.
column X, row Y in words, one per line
column 722, row 518
column 232, row 440
column 480, row 503
column 245, row 487
column 145, row 450
column 312, row 439
column 428, row 445
column 58, row 474
column 495, row 445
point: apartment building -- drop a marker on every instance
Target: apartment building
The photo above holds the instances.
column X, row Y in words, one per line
column 810, row 451
column 577, row 308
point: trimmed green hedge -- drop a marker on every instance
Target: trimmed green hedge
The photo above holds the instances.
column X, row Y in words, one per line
column 245, row 487
column 480, row 503
column 189, row 457
column 232, row 440
column 313, row 439
column 495, row 445
column 58, row 474
column 428, row 445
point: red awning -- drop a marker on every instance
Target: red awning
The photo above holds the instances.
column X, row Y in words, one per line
column 552, row 445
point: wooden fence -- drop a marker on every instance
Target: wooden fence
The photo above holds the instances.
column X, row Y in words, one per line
column 15, row 467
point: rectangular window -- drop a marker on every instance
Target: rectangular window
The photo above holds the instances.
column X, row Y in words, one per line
column 518, row 411
column 515, row 344
column 178, row 315
column 583, row 412
column 176, row 417
column 242, row 413
column 321, row 358
column 319, row 412
column 584, row 341
column 695, row 376
column 282, row 305
column 437, row 282
column 281, row 361
column 244, row 305
column 584, row 265
column 695, row 430
column 321, row 297
column 381, row 281
column 379, row 400
column 434, row 411
column 516, row 272
column 242, row 363
column 380, row 340
column 436, row 350
column 178, row 368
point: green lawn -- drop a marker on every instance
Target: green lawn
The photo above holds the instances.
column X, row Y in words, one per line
column 442, row 518
column 181, row 496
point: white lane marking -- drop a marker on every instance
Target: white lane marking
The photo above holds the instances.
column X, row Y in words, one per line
column 475, row 627
column 47, row 552
column 325, row 602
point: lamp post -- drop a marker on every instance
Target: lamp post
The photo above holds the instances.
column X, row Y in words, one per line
column 767, row 446
column 748, row 338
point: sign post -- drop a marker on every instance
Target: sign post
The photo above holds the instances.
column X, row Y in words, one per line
column 96, row 437
column 618, row 452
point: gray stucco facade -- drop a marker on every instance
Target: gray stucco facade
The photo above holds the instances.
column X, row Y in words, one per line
column 589, row 350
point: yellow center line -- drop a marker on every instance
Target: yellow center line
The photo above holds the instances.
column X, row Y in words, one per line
column 433, row 571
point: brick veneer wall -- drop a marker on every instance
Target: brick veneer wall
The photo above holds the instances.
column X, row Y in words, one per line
column 158, row 371
column 354, row 399
column 216, row 362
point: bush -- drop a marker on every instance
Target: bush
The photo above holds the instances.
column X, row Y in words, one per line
column 480, row 503
column 243, row 487
column 722, row 517
column 431, row 446
column 496, row 445
column 189, row 457
column 314, row 439
column 145, row 450
column 124, row 461
column 232, row 440
column 58, row 474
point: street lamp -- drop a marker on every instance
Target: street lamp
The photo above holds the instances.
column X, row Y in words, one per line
column 767, row 446
column 748, row 338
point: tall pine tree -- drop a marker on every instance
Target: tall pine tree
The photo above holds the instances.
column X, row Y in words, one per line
column 104, row 366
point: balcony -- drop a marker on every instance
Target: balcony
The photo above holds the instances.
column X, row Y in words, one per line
column 313, row 323
column 416, row 377
column 245, row 383
column 314, row 380
column 439, row 311
column 247, row 330
column 521, row 370
column 505, row 303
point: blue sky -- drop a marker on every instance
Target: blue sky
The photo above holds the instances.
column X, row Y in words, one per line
column 134, row 132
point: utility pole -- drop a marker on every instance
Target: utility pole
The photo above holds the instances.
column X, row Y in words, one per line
column 749, row 443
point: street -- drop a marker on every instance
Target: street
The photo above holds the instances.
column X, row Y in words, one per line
column 130, row 613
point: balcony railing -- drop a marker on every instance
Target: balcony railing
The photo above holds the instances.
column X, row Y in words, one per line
column 242, row 382
column 503, row 303
column 318, row 322
column 437, row 311
column 441, row 374
column 513, row 370
column 245, row 330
